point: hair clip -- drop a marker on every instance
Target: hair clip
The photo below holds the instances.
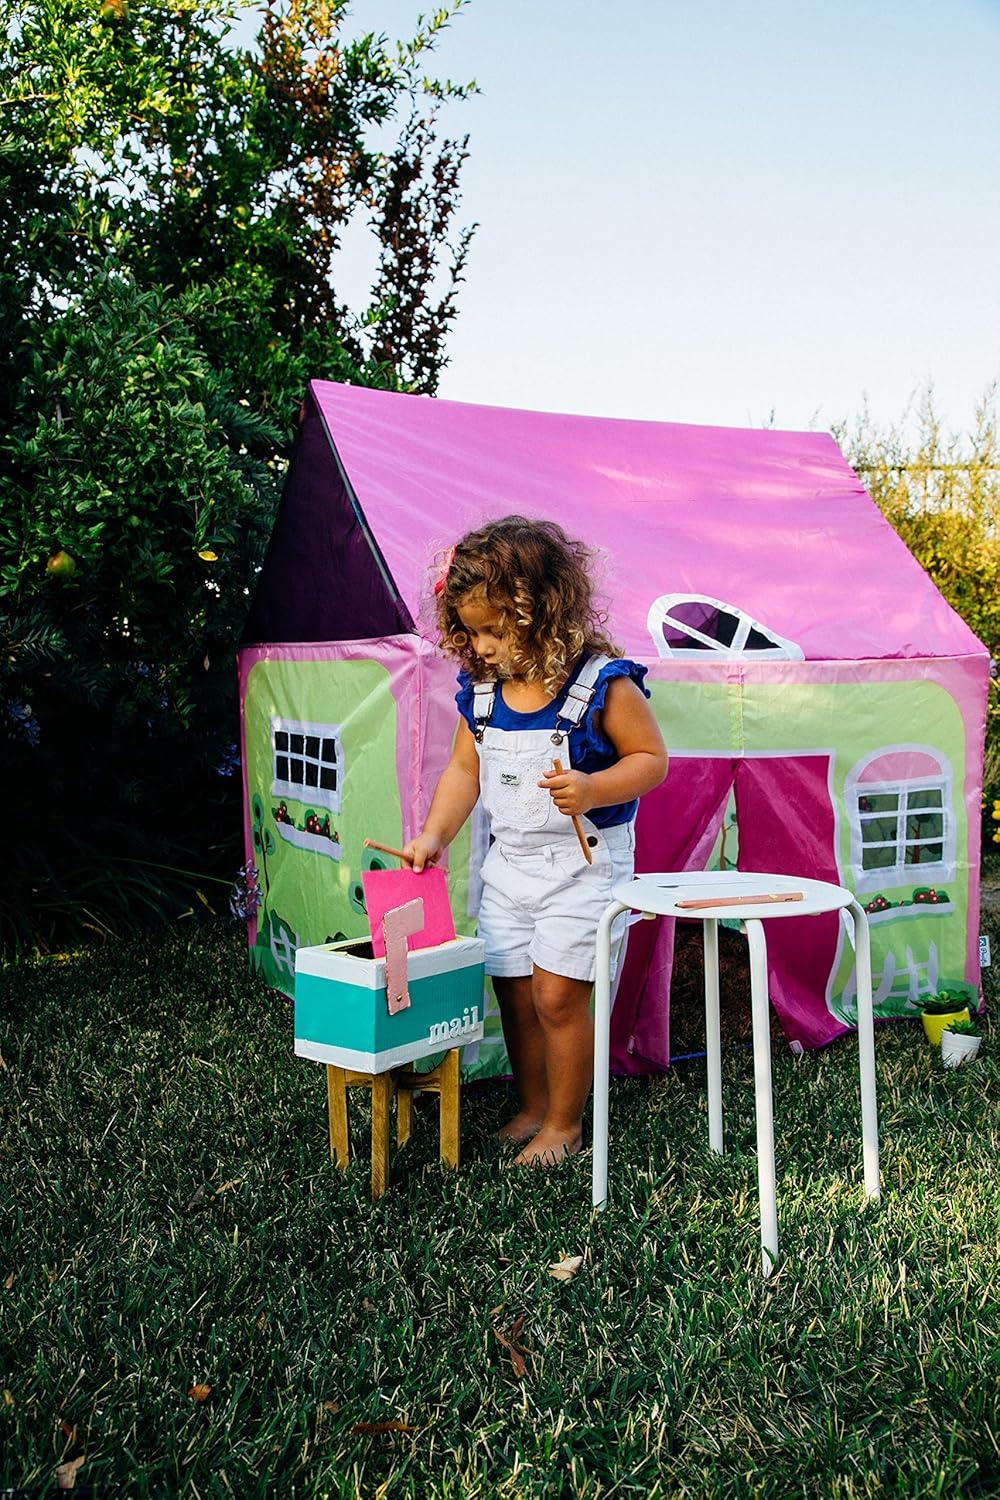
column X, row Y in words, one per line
column 442, row 577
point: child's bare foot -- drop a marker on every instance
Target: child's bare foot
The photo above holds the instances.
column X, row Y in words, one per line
column 549, row 1147
column 521, row 1128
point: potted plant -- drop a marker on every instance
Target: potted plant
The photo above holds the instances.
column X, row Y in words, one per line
column 940, row 1009
column 960, row 1042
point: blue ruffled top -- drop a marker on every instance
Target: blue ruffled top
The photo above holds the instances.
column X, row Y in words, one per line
column 590, row 749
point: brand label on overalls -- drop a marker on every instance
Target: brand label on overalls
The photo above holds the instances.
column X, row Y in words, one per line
column 509, row 778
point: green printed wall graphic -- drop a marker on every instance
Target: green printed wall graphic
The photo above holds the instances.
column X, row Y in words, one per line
column 320, row 752
column 888, row 819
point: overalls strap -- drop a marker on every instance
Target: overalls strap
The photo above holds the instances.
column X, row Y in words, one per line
column 483, row 695
column 581, row 692
column 578, row 698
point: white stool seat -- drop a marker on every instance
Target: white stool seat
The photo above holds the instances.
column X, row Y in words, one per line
column 659, row 894
column 662, row 895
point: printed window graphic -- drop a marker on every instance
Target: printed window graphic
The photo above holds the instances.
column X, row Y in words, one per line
column 898, row 801
column 695, row 626
column 901, row 827
column 308, row 762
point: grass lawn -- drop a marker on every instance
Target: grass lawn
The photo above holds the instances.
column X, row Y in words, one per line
column 171, row 1221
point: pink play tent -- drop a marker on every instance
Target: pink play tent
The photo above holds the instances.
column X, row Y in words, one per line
column 806, row 673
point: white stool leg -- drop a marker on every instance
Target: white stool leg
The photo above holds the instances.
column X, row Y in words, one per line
column 762, row 1095
column 866, row 1049
column 602, row 1051
column 713, row 1037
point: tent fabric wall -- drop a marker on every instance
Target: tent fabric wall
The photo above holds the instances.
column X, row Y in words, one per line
column 803, row 838
column 640, row 1020
column 888, row 681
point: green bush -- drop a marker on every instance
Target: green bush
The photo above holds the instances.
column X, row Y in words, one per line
column 941, row 492
column 135, row 518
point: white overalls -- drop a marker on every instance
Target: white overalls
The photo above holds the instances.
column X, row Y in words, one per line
column 541, row 900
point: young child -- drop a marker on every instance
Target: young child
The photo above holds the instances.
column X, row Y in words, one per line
column 540, row 681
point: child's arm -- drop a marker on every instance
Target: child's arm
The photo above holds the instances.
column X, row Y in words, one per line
column 629, row 724
column 454, row 798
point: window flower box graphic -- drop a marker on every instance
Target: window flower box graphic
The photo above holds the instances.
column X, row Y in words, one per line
column 925, row 901
column 315, row 834
column 342, row 1008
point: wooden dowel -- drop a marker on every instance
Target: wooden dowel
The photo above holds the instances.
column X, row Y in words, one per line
column 576, row 823
column 387, row 849
column 739, row 901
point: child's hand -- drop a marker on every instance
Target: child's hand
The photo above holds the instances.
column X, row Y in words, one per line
column 571, row 791
column 423, row 851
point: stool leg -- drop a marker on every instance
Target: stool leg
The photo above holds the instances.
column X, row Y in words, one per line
column 404, row 1116
column 450, row 1108
column 381, row 1100
column 866, row 1049
column 762, row 1095
column 713, row 1037
column 336, row 1108
column 602, row 1053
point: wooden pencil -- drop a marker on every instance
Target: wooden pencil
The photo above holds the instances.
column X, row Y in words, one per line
column 576, row 823
column 387, row 849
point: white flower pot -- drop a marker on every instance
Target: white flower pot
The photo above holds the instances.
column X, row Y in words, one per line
column 956, row 1050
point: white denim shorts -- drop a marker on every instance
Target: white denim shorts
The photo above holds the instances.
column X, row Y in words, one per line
column 542, row 905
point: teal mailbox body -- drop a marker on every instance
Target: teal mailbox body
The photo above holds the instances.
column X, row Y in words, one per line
column 342, row 1014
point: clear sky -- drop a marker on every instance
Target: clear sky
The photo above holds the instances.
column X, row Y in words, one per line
column 710, row 211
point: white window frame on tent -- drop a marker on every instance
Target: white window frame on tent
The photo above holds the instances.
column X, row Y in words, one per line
column 660, row 613
column 287, row 786
column 910, row 799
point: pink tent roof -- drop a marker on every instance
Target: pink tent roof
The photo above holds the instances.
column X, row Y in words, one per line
column 775, row 523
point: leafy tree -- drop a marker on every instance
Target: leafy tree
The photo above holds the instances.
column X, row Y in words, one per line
column 171, row 210
column 137, row 132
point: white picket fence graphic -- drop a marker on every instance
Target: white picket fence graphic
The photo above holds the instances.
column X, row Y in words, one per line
column 283, row 949
column 896, row 981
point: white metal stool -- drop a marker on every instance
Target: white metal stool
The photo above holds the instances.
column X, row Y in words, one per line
column 659, row 895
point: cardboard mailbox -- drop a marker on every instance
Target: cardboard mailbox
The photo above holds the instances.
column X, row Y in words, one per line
column 342, row 1009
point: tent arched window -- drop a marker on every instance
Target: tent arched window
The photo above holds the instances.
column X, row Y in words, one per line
column 696, row 626
column 902, row 831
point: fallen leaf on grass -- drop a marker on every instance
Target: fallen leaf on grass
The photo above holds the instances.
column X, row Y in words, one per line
column 233, row 1182
column 8, row 1399
column 262, row 1322
column 383, row 1427
column 516, row 1350
column 367, row 1304
column 200, row 1392
column 566, row 1269
column 198, row 1196
column 329, row 1405
column 10, row 1281
column 66, row 1473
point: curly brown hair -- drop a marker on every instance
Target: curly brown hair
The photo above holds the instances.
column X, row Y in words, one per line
column 539, row 582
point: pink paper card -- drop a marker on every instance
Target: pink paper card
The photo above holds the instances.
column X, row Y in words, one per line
column 385, row 889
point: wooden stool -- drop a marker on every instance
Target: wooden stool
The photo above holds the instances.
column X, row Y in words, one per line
column 403, row 1083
